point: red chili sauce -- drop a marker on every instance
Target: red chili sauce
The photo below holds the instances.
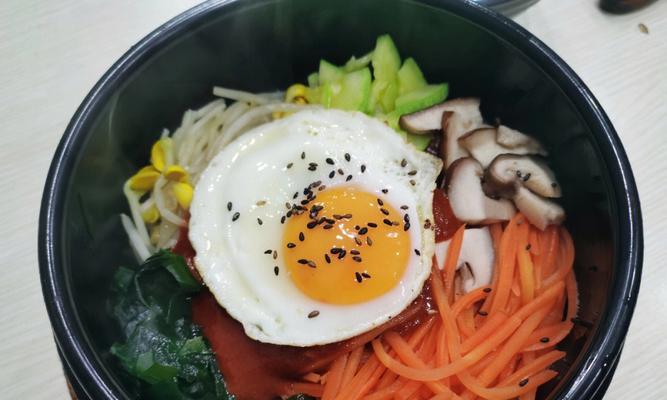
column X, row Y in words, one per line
column 259, row 371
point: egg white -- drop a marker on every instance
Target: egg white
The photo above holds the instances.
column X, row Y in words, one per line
column 251, row 173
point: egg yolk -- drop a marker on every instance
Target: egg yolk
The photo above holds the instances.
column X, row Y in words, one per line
column 347, row 246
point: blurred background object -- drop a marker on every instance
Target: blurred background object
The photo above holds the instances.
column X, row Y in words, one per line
column 507, row 7
column 623, row 6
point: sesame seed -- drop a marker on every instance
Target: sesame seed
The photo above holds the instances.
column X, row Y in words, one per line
column 406, row 226
column 385, row 191
column 404, row 207
column 331, row 174
column 289, row 213
column 229, row 206
column 372, row 224
column 357, row 227
column 259, row 221
column 340, row 172
column 302, row 237
column 427, row 224
column 412, row 182
column 269, row 251
column 328, row 226
column 289, row 165
column 288, row 205
column 291, row 245
column 544, row 340
column 342, row 254
column 384, row 211
column 356, row 258
column 327, row 258
column 483, row 313
column 528, row 246
column 303, row 155
column 413, row 172
column 347, row 216
column 337, row 216
column 311, row 264
column 386, row 221
column 236, row 216
column 276, row 270
column 366, row 275
column 523, row 382
column 311, row 224
column 369, row 241
column 313, row 314
column 282, row 219
column 404, row 162
column 417, row 252
column 349, row 178
column 357, row 276
column 363, row 231
column 380, row 202
column 302, row 261
column 261, row 203
column 347, row 157
column 312, row 167
column 395, row 223
column 330, row 221
column 357, row 241
column 330, row 161
column 487, row 290
column 296, row 194
column 363, row 168
column 518, row 174
column 335, row 250
column 406, row 218
column 355, row 252
column 526, row 177
column 275, row 254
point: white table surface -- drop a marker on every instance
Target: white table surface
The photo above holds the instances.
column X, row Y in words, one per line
column 52, row 52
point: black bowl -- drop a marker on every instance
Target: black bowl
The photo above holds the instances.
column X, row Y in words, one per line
column 267, row 44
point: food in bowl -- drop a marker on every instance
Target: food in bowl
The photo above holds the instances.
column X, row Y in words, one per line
column 358, row 237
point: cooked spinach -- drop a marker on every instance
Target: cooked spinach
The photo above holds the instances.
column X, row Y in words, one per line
column 161, row 346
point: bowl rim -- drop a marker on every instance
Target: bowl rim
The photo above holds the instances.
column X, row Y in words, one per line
column 585, row 381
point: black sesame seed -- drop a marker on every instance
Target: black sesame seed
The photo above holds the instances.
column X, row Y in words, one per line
column 291, row 245
column 331, row 174
column 357, row 276
column 369, row 241
column 528, row 246
column 276, row 270
column 269, row 251
column 427, row 224
column 417, row 252
column 386, row 221
column 380, row 202
column 404, row 162
column 357, row 241
column 275, row 254
column 406, row 226
column 356, row 258
column 303, row 155
column 313, row 314
column 526, row 177
column 302, row 237
column 395, row 223
column 366, row 275
column 288, row 205
column 384, row 211
column 312, row 167
column 412, row 182
column 289, row 214
column 259, row 221
column 347, row 156
column 487, row 290
column 327, row 258
column 236, row 216
column 355, row 252
column 404, row 207
column 385, row 191
column 363, row 231
column 518, row 174
column 349, row 178
column 544, row 340
column 282, row 219
column 413, row 172
column 342, row 254
column 312, row 164
column 524, row 382
column 296, row 194
column 321, row 188
column 317, row 207
column 302, row 261
column 357, row 227
column 363, row 168
column 483, row 313
column 340, row 172
column 328, row 226
column 347, row 216
column 372, row 224
column 229, row 206
column 304, row 202
column 337, row 216
column 321, row 220
column 330, row 161
column 289, row 165
column 406, row 218
column 311, row 224
column 311, row 264
column 330, row 221
column 335, row 250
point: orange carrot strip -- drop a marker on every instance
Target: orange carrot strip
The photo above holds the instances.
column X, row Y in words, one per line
column 534, row 241
column 356, row 385
column 334, row 378
column 551, row 245
column 526, row 275
column 466, row 323
column 545, row 298
column 527, row 358
column 508, row 392
column 469, row 299
column 441, row 351
column 505, row 265
column 408, row 390
column 567, row 260
column 492, row 325
column 539, row 364
column 351, row 366
column 555, row 333
column 451, row 261
column 312, row 377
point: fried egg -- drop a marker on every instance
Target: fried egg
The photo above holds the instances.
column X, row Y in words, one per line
column 314, row 228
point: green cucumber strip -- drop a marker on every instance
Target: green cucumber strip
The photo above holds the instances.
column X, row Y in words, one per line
column 314, row 79
column 389, row 95
column 354, row 63
column 421, row 142
column 410, row 77
column 377, row 89
column 386, row 60
column 329, row 73
column 354, row 92
column 421, row 98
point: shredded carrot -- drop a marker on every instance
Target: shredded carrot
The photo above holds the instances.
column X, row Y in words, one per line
column 494, row 343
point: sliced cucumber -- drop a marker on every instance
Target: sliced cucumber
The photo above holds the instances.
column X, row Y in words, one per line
column 421, row 142
column 389, row 96
column 410, row 77
column 377, row 89
column 313, row 79
column 327, row 93
column 329, row 72
column 354, row 92
column 421, row 98
column 386, row 60
column 354, row 63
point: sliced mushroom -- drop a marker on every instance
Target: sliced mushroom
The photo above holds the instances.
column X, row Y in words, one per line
column 467, row 199
column 476, row 252
column 508, row 170
column 483, row 145
column 540, row 212
column 429, row 120
column 511, row 138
